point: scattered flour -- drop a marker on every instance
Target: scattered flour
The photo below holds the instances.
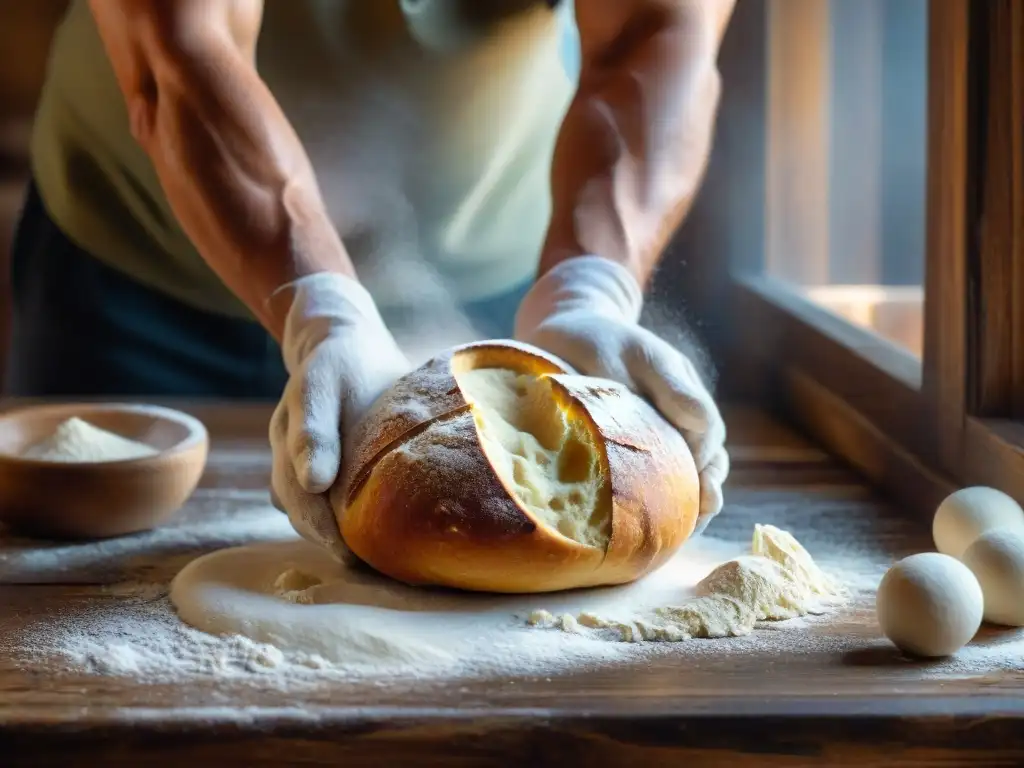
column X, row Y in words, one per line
column 133, row 631
column 294, row 585
column 781, row 547
column 778, row 581
column 76, row 440
column 766, row 590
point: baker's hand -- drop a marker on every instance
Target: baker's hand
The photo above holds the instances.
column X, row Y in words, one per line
column 340, row 357
column 586, row 310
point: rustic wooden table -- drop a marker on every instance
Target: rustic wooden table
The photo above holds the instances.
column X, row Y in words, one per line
column 851, row 703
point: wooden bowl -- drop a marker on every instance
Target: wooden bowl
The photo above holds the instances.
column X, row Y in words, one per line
column 85, row 500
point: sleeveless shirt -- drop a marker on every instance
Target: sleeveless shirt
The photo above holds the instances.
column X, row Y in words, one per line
column 430, row 124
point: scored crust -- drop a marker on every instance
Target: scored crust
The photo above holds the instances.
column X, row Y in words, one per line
column 421, row 503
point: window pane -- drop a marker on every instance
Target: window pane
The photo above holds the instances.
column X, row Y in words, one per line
column 846, row 154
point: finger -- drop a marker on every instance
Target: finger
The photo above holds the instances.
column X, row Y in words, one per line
column 315, row 442
column 311, row 515
column 711, row 502
column 717, row 470
column 278, row 434
column 278, row 428
column 275, row 500
column 712, row 480
column 706, row 446
column 710, row 506
column 665, row 377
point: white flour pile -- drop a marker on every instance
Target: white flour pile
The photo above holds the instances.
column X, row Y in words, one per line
column 777, row 581
column 76, row 440
column 136, row 633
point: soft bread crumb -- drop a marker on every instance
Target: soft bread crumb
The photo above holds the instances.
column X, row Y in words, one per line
column 546, row 456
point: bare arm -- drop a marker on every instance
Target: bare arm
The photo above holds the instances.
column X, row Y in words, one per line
column 635, row 141
column 233, row 169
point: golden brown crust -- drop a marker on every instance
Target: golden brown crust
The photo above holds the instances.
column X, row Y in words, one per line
column 424, row 506
column 449, row 521
column 429, row 393
column 654, row 484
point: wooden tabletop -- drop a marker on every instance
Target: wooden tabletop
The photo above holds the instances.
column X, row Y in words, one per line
column 854, row 701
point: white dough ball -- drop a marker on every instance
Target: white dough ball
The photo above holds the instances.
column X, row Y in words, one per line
column 997, row 560
column 963, row 516
column 929, row 605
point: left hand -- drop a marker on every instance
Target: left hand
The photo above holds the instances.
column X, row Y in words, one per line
column 586, row 310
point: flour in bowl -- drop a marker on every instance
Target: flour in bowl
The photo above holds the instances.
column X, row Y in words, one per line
column 76, row 440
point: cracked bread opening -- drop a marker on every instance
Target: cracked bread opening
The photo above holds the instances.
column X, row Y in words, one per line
column 545, row 451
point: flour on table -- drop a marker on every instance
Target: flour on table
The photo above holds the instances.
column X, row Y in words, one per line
column 297, row 597
column 294, row 585
column 778, row 581
column 781, row 547
column 130, row 629
column 293, row 595
column 76, row 440
column 769, row 591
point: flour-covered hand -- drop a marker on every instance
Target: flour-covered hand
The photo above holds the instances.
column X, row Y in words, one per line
column 340, row 358
column 586, row 310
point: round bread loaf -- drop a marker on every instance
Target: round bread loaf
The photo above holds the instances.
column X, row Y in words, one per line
column 493, row 467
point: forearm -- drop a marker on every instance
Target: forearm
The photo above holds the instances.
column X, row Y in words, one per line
column 240, row 184
column 233, row 169
column 636, row 138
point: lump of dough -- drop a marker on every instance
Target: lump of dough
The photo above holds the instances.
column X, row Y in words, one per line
column 997, row 560
column 963, row 516
column 929, row 605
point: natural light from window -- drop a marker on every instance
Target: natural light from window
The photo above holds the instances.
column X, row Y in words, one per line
column 847, row 159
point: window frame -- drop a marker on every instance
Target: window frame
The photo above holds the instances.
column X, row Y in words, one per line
column 917, row 427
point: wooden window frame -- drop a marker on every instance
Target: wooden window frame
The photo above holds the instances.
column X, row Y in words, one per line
column 917, row 427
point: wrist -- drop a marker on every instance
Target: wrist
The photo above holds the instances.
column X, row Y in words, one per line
column 323, row 304
column 593, row 283
column 276, row 285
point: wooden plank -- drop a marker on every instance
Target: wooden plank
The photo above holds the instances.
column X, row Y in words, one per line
column 832, row 693
column 1015, row 97
column 782, row 330
column 994, row 455
column 852, row 662
column 949, row 179
column 870, row 449
column 804, row 733
column 998, row 263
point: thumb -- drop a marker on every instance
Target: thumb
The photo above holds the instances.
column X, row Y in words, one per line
column 315, row 442
column 711, row 481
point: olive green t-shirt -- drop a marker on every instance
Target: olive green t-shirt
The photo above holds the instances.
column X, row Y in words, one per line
column 431, row 125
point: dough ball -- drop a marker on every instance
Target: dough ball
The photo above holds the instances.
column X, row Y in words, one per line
column 929, row 605
column 997, row 560
column 965, row 515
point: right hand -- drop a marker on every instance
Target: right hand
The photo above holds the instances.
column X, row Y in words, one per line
column 586, row 311
column 340, row 358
